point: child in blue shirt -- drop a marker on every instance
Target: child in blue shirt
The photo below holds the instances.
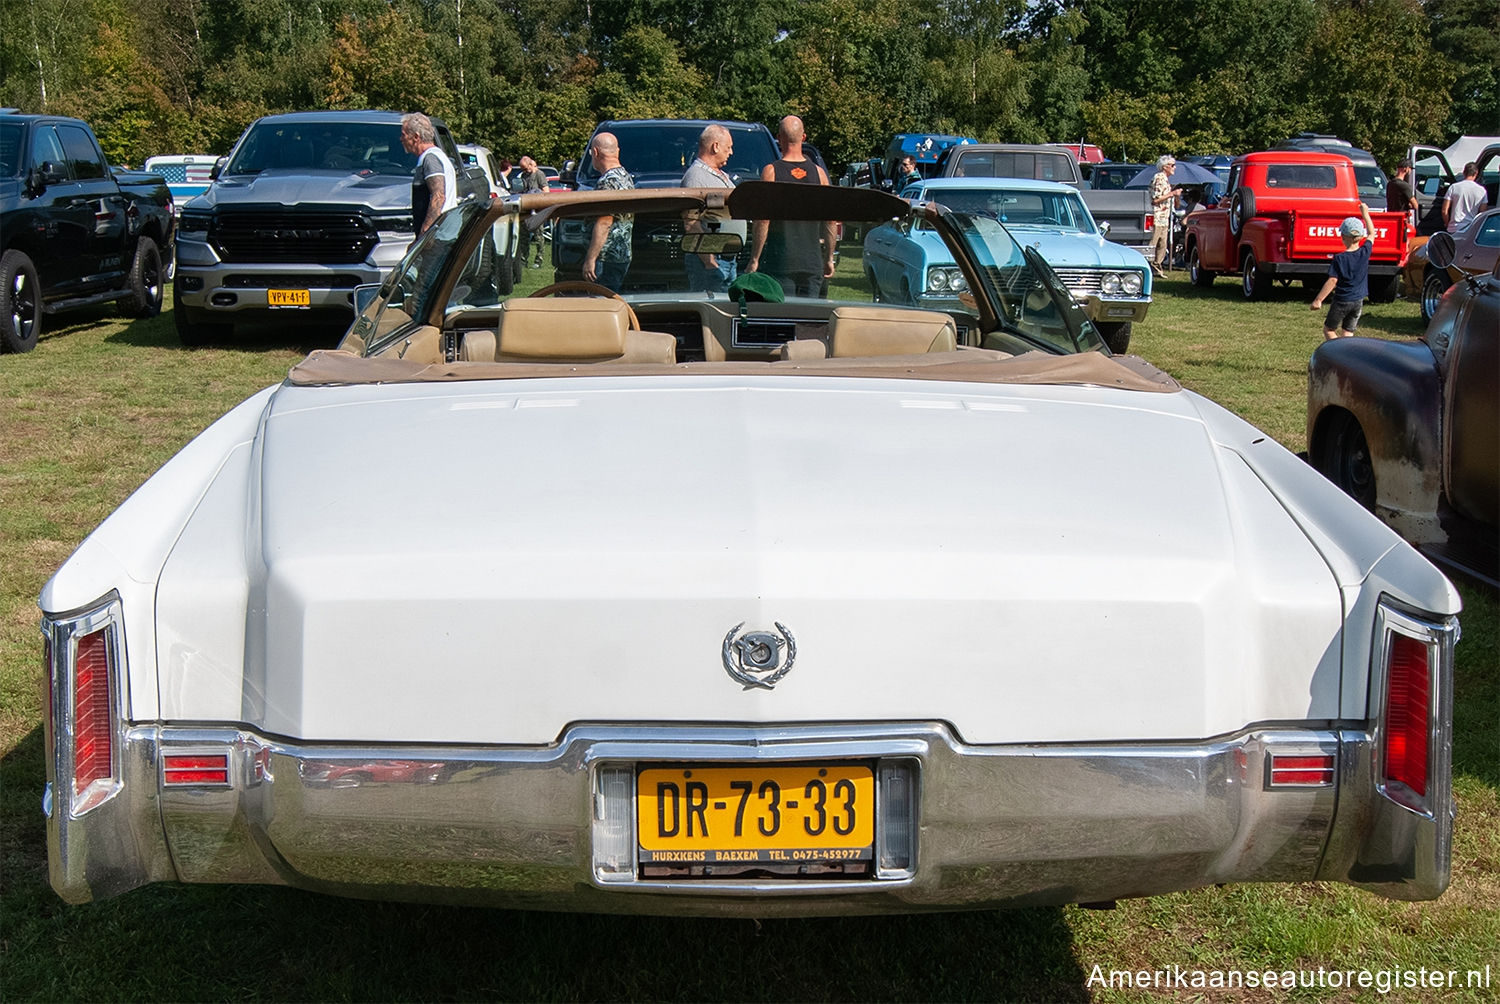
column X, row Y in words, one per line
column 1348, row 277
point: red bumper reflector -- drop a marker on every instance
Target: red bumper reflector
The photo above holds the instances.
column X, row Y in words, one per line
column 93, row 729
column 195, row 768
column 1408, row 692
column 1302, row 771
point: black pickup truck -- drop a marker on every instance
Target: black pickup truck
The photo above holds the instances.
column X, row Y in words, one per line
column 73, row 231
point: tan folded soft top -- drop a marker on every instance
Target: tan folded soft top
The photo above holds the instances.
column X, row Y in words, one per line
column 337, row 367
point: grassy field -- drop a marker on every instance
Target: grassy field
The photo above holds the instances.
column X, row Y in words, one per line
column 101, row 403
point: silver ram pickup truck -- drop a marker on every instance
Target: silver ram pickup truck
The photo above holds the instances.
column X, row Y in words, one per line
column 306, row 207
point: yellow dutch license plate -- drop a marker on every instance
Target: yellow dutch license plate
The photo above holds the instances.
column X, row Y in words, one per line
column 781, row 815
column 288, row 298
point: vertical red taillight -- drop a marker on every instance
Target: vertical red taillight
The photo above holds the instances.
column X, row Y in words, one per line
column 93, row 715
column 85, row 656
column 1408, row 713
column 1413, row 682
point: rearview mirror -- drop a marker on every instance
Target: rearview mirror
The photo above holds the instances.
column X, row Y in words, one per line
column 1104, row 229
column 568, row 176
column 712, row 243
column 217, row 169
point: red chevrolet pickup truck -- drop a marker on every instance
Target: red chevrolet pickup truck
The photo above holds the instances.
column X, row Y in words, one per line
column 1282, row 222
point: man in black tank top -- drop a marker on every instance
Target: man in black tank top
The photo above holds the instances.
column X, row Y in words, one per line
column 797, row 253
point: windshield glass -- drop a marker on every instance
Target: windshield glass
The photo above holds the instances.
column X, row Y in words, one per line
column 465, row 276
column 351, row 147
column 664, row 150
column 1014, row 164
column 1371, row 181
column 1051, row 210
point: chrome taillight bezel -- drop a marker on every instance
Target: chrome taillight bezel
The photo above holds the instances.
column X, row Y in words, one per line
column 1439, row 636
column 62, row 633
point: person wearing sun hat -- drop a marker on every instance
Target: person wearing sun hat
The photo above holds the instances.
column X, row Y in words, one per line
column 1348, row 276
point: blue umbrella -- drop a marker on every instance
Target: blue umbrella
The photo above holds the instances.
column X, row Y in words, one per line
column 1186, row 174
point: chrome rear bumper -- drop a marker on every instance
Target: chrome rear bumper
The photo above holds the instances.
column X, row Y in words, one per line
column 514, row 827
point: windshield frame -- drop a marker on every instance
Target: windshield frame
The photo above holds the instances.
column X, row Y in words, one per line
column 415, row 294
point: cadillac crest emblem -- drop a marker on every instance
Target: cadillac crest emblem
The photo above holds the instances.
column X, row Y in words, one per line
column 755, row 659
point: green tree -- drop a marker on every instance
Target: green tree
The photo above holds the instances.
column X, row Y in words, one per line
column 1381, row 90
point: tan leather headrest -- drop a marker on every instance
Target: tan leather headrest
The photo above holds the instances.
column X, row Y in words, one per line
column 801, row 348
column 884, row 331
column 477, row 347
column 571, row 327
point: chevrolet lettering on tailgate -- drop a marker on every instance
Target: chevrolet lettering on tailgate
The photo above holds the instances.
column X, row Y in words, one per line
column 800, row 815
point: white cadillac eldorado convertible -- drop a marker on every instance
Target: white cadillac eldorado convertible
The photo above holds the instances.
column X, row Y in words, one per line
column 744, row 604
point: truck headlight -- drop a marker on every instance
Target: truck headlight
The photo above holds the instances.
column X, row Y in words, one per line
column 193, row 224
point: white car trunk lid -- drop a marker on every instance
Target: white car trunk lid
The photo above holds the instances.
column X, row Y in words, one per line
column 487, row 563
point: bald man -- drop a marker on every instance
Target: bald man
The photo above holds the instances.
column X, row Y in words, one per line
column 608, row 256
column 797, row 253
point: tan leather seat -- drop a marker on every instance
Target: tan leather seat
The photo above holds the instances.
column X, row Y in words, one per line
column 883, row 331
column 566, row 329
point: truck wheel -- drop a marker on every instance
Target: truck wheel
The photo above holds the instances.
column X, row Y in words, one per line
column 1116, row 336
column 1199, row 275
column 1254, row 280
column 1343, row 457
column 20, row 303
column 193, row 333
column 145, row 281
column 1385, row 290
column 1435, row 283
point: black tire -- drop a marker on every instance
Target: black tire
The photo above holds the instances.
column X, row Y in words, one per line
column 146, row 281
column 1241, row 209
column 1343, row 457
column 1199, row 275
column 1384, row 290
column 1116, row 335
column 1435, row 283
column 20, row 303
column 1255, row 281
column 193, row 332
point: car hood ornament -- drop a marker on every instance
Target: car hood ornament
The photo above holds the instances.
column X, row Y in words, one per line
column 755, row 658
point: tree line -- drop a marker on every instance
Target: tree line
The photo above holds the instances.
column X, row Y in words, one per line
column 1136, row 77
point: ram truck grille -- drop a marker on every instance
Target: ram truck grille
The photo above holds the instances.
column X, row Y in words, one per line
column 326, row 238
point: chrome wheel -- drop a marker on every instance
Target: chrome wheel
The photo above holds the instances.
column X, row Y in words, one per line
column 1434, row 285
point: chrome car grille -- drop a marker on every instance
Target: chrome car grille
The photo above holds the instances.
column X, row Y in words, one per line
column 1083, row 282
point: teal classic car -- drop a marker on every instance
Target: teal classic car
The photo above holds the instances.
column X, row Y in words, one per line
column 908, row 262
